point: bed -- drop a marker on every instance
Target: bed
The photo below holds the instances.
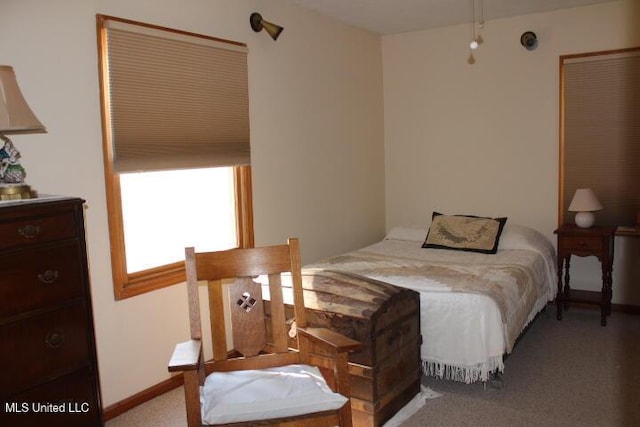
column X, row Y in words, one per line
column 473, row 303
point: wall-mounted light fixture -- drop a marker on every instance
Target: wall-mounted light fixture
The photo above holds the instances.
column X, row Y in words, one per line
column 257, row 23
column 529, row 40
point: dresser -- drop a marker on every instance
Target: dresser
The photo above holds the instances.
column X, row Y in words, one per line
column 48, row 364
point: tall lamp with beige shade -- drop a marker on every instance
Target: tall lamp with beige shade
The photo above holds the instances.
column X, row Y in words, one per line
column 584, row 203
column 15, row 118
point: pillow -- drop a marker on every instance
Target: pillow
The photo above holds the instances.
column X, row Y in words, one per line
column 410, row 234
column 464, row 233
column 229, row 397
column 520, row 237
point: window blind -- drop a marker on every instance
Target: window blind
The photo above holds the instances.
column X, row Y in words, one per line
column 176, row 100
column 602, row 132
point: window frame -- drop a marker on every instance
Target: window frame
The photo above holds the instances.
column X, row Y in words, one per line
column 564, row 194
column 126, row 285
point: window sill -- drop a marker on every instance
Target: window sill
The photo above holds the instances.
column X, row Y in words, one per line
column 150, row 280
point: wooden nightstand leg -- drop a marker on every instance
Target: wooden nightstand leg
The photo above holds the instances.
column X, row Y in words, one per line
column 567, row 288
column 603, row 299
column 559, row 295
column 607, row 293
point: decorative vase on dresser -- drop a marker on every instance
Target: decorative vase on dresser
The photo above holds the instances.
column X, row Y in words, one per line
column 48, row 363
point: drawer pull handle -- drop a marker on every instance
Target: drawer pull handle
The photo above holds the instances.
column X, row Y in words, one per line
column 54, row 339
column 49, row 277
column 29, row 231
column 583, row 243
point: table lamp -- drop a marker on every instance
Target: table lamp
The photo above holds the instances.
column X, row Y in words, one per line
column 15, row 118
column 585, row 202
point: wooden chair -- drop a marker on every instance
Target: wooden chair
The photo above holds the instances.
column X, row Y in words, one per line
column 260, row 343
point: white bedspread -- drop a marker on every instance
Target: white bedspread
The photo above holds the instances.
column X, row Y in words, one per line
column 464, row 335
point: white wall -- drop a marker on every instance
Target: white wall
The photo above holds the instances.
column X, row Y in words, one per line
column 483, row 139
column 317, row 144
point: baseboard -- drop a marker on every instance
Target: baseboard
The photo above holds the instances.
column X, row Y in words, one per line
column 583, row 298
column 626, row 308
column 619, row 308
column 131, row 402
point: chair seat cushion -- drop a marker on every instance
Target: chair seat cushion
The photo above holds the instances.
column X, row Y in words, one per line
column 285, row 391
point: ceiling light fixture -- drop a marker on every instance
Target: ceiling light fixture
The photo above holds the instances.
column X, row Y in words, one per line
column 474, row 43
column 476, row 38
column 479, row 38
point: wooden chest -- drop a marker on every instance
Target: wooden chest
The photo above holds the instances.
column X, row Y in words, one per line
column 386, row 373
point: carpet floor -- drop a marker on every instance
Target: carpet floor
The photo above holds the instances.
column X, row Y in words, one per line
column 569, row 373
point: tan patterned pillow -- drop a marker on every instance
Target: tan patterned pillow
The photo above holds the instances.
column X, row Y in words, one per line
column 464, row 233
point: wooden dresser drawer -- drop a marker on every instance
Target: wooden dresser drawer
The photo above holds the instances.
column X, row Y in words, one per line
column 582, row 243
column 37, row 230
column 43, row 347
column 40, row 277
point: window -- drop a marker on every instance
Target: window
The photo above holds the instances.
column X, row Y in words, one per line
column 600, row 132
column 153, row 210
column 176, row 149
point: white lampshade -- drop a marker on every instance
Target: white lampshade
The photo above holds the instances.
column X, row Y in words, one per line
column 15, row 115
column 584, row 202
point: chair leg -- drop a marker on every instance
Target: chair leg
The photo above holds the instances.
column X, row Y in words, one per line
column 345, row 415
column 192, row 398
column 343, row 386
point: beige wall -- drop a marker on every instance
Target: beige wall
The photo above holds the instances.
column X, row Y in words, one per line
column 483, row 139
column 317, row 133
column 317, row 144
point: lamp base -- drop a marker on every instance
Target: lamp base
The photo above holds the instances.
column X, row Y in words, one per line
column 585, row 219
column 17, row 192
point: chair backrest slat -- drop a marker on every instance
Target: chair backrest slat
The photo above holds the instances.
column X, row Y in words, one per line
column 278, row 320
column 296, row 282
column 247, row 317
column 217, row 319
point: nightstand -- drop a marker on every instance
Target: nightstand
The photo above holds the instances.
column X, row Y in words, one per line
column 593, row 241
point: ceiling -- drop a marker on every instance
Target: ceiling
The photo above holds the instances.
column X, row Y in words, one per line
column 399, row 16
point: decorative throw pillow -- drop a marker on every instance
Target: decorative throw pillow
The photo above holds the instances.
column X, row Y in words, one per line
column 464, row 233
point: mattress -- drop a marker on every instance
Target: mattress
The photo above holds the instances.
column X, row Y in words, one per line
column 473, row 306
